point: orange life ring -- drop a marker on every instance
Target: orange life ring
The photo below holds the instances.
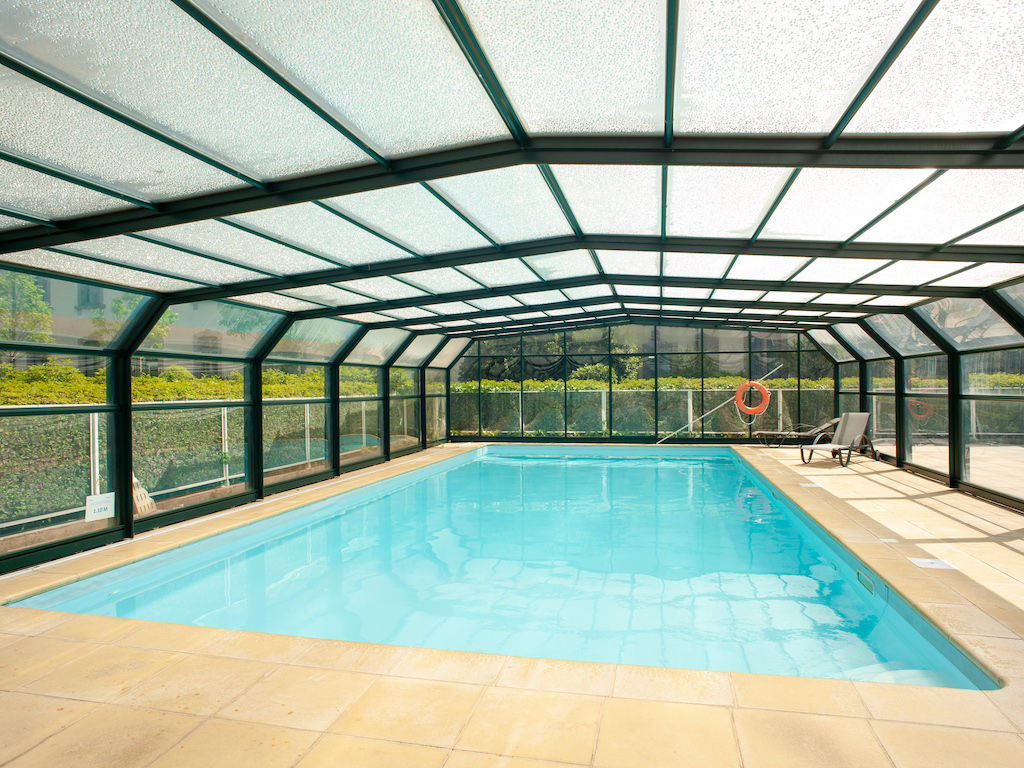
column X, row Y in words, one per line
column 926, row 411
column 753, row 410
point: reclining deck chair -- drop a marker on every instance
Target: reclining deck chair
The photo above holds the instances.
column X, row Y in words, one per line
column 773, row 439
column 851, row 434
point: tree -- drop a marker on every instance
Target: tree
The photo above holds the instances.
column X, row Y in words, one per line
column 123, row 307
column 25, row 314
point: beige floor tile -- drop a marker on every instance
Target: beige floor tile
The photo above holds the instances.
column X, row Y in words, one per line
column 169, row 637
column 435, row 664
column 220, row 743
column 109, row 737
column 547, row 726
column 356, row 657
column 965, row 619
column 256, row 646
column 337, row 751
column 31, row 657
column 798, row 694
column 102, row 673
column 555, row 675
column 93, row 629
column 1005, row 656
column 411, row 711
column 28, row 719
column 26, row 584
column 29, row 621
column 940, row 706
column 196, row 685
column 461, row 759
column 791, row 740
column 298, row 697
column 693, row 686
column 662, row 734
column 928, row 746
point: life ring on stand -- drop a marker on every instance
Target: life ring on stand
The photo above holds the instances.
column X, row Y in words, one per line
column 925, row 411
column 757, row 408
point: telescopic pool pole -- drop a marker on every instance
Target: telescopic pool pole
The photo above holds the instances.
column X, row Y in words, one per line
column 717, row 407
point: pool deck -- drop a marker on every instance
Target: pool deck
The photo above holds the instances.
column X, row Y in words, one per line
column 80, row 690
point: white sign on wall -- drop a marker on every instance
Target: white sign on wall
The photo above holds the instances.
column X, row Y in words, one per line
column 99, row 507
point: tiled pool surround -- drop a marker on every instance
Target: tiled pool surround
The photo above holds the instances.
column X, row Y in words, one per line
column 124, row 692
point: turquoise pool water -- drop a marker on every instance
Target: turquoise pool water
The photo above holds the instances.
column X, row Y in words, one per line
column 662, row 556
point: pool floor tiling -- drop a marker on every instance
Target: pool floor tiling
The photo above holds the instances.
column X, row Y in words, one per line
column 82, row 690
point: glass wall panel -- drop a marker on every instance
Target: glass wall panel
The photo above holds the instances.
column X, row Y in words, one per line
column 405, row 423
column 377, row 346
column 723, row 373
column 882, row 427
column 780, row 369
column 587, row 341
column 725, row 340
column 318, row 338
column 437, row 419
column 215, row 328
column 587, row 390
column 47, row 310
column 404, row 382
column 633, row 389
column 679, row 390
column 673, row 338
column 849, row 403
column 500, row 396
column 465, row 397
column 544, row 391
column 849, row 377
column 294, row 440
column 359, row 381
column 49, row 466
column 359, row 431
column 163, row 379
column 544, row 343
column 997, row 374
column 881, row 376
column 289, row 381
column 994, row 437
column 817, row 387
column 928, row 432
column 435, row 379
column 632, row 339
column 928, row 375
column 187, row 456
column 39, row 378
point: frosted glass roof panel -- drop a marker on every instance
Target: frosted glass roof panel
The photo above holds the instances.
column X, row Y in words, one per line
column 843, row 298
column 9, row 222
column 953, row 204
column 134, row 252
column 696, row 264
column 407, row 313
column 910, row 272
column 777, row 67
column 216, row 328
column 969, row 323
column 231, row 243
column 450, row 307
column 788, row 296
column 720, row 201
column 638, row 290
column 630, row 262
column 671, row 292
column 592, row 67
column 416, row 353
column 402, row 82
column 495, row 302
column 858, row 338
column 735, row 295
column 46, row 197
column 42, row 124
column 895, row 301
column 613, row 199
column 1015, row 295
column 830, row 345
column 315, row 339
column 382, row 288
column 943, row 81
column 448, row 353
column 756, row 267
column 905, row 337
column 413, row 217
column 1007, row 232
column 833, row 203
column 276, row 301
column 509, row 204
column 587, row 291
column 377, row 346
column 367, row 317
column 310, row 226
column 443, row 280
column 328, row 294
column 837, row 270
column 555, row 266
column 153, row 60
column 76, row 267
column 502, row 272
column 541, row 297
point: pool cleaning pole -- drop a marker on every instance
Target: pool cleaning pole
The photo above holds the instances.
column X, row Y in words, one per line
column 717, row 407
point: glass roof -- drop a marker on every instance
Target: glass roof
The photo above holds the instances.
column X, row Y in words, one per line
column 969, row 323
column 214, row 328
column 834, row 349
column 448, row 353
column 858, row 338
column 377, row 346
column 419, row 349
column 316, row 340
column 905, row 337
column 387, row 162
